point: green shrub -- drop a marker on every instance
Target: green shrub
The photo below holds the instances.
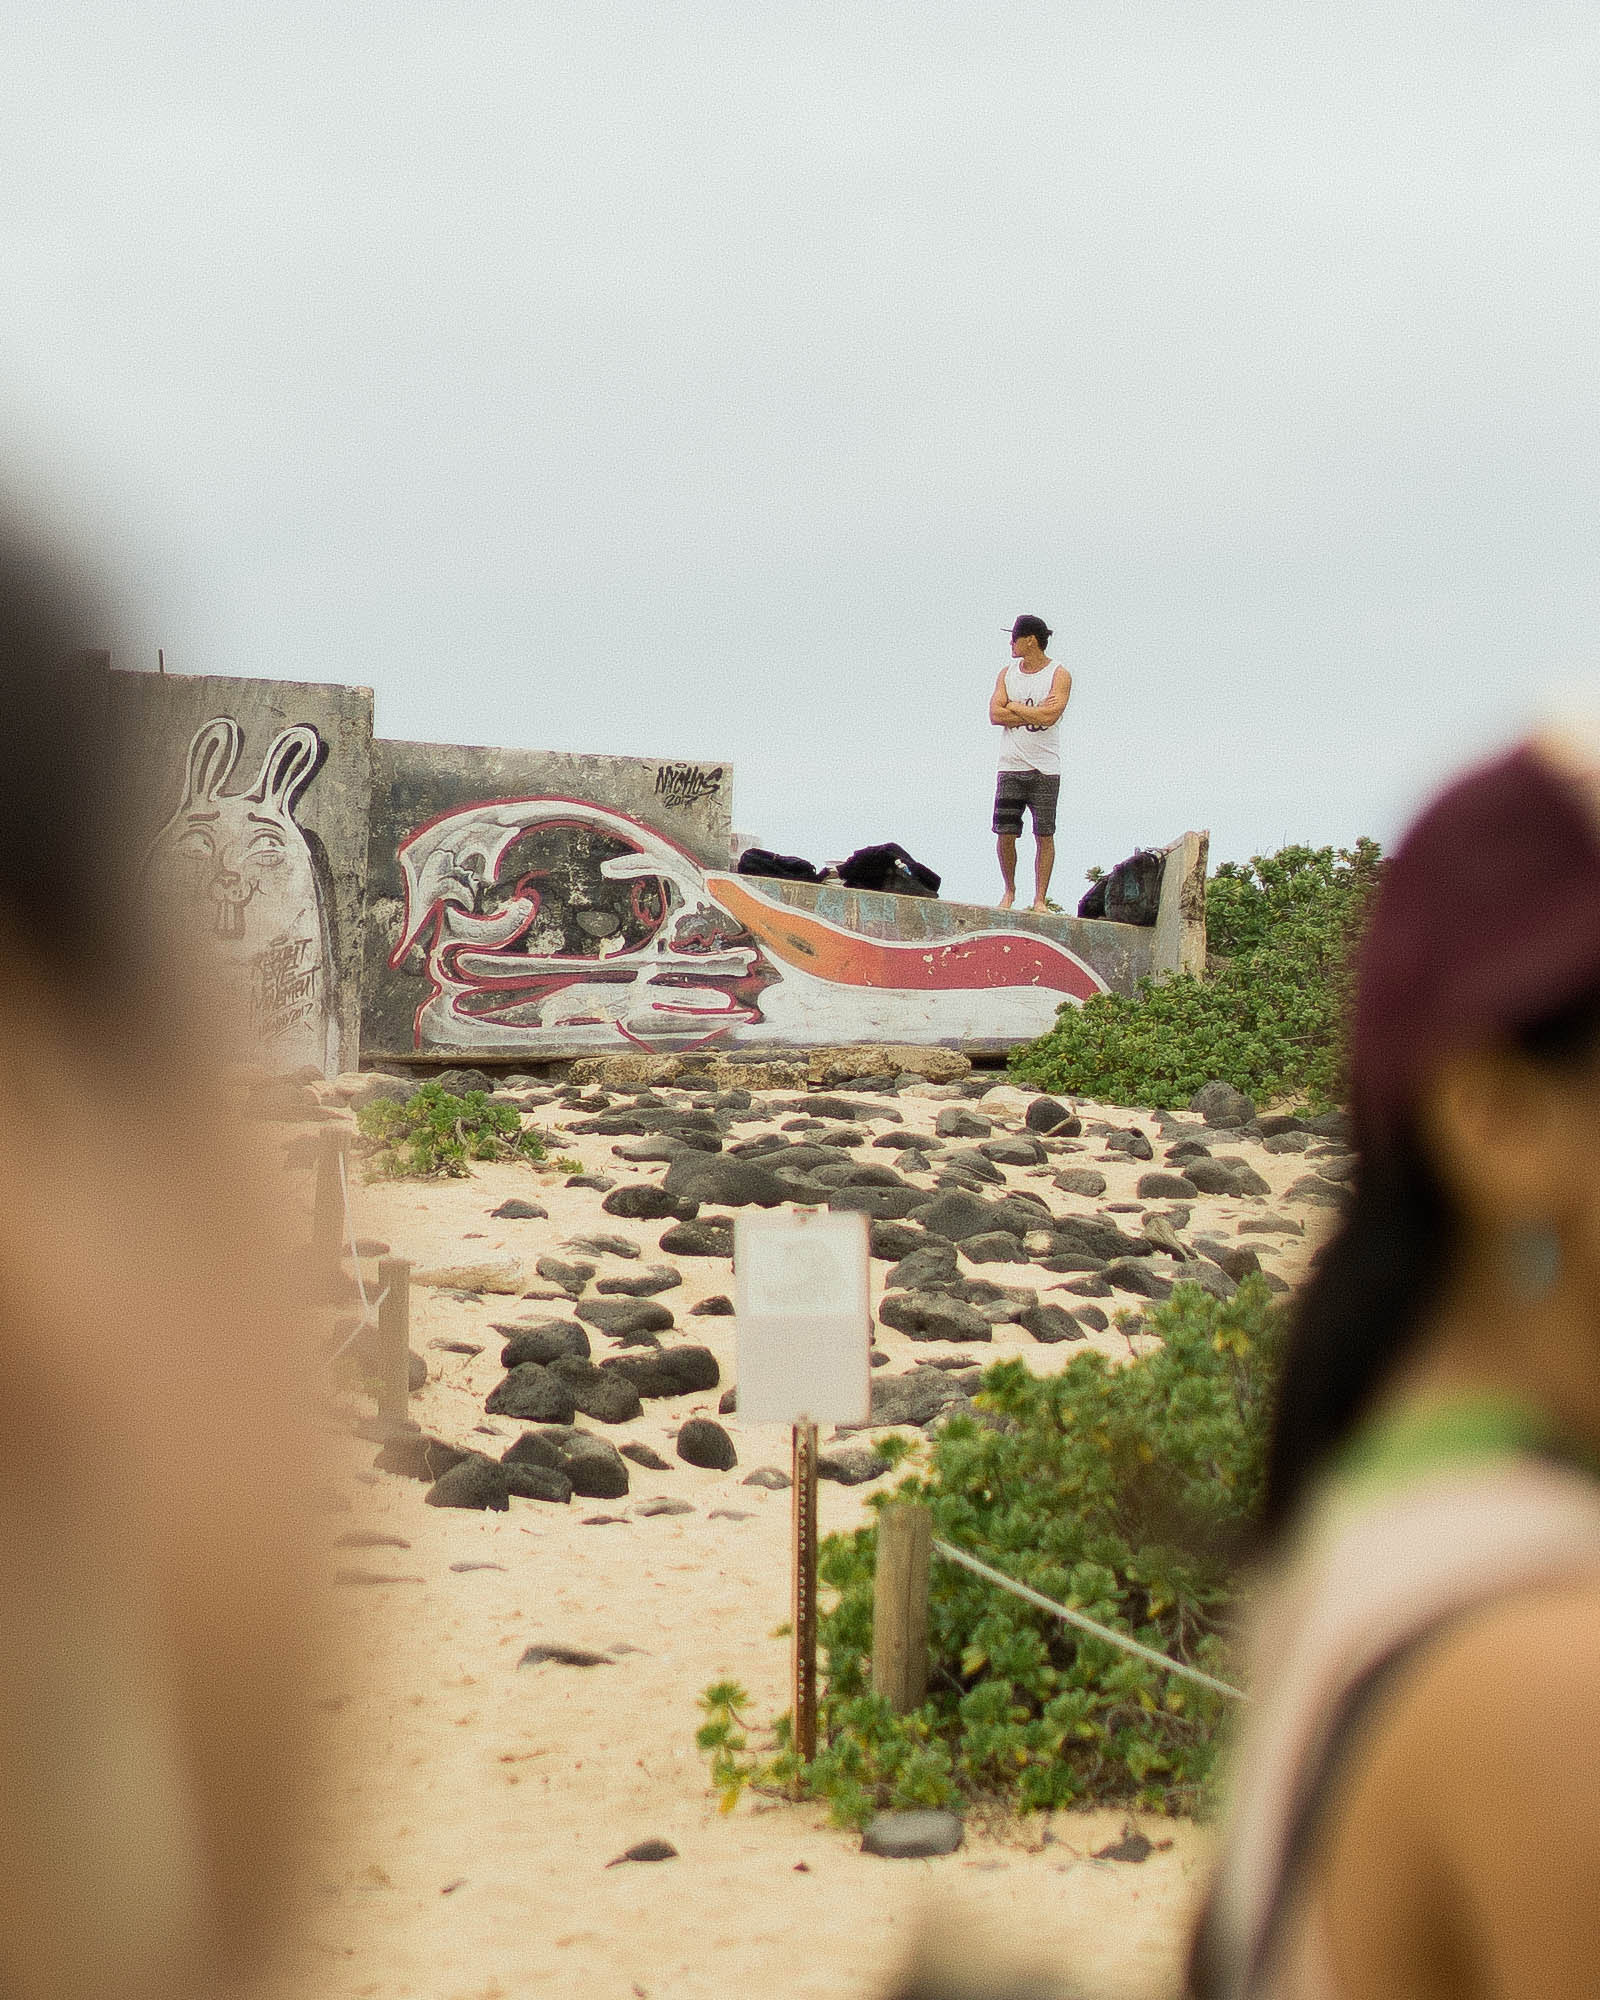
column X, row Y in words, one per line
column 433, row 1135
column 1270, row 1020
column 1121, row 1491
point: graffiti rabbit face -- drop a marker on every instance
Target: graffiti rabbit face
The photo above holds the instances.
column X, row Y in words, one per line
column 227, row 868
column 238, row 874
column 539, row 914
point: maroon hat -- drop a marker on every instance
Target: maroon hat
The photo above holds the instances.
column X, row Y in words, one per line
column 1487, row 918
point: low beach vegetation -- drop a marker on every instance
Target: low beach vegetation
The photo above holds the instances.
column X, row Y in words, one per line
column 433, row 1136
column 1123, row 1491
column 1269, row 1015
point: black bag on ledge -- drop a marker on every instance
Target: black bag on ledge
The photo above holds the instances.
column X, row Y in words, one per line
column 1130, row 893
column 786, row 867
column 890, row 869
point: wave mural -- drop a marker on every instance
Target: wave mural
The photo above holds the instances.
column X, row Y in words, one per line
column 548, row 921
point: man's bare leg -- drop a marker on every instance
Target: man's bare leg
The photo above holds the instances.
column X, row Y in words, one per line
column 1044, row 861
column 1006, row 847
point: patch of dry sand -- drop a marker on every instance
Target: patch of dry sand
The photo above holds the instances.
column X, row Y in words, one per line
column 463, row 1849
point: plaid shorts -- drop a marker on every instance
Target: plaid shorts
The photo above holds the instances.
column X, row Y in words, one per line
column 1037, row 790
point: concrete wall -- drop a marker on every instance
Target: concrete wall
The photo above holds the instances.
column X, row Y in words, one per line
column 250, row 804
column 851, row 965
column 428, row 901
column 1121, row 954
column 512, row 893
column 1180, row 929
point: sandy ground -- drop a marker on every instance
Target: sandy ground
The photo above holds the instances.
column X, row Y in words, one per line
column 463, row 1850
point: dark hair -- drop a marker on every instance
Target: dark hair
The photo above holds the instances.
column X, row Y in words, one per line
column 65, row 905
column 1364, row 1309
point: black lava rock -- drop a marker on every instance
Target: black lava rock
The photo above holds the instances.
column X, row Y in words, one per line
column 534, row 1393
column 625, row 1316
column 1049, row 1323
column 702, row 1441
column 537, row 1448
column 1219, row 1103
column 993, row 1246
column 717, row 1177
column 1225, row 1176
column 932, row 1316
column 537, row 1482
column 711, row 1238
column 419, row 1456
column 474, row 1482
column 1128, row 1274
column 671, row 1371
column 607, row 1398
column 893, row 1240
column 645, row 1284
column 545, row 1341
column 457, row 1082
column 956, row 1214
column 931, row 1263
column 643, row 1201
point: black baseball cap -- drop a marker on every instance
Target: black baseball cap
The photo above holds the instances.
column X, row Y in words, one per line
column 1029, row 627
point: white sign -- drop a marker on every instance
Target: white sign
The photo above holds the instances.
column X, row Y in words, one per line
column 800, row 1291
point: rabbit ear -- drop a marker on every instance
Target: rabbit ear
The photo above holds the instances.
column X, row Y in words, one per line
column 212, row 755
column 288, row 767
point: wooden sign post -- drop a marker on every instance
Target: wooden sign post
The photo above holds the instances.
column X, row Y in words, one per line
column 805, row 1590
column 900, row 1605
column 800, row 1282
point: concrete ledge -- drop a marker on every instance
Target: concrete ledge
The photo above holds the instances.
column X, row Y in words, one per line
column 1122, row 954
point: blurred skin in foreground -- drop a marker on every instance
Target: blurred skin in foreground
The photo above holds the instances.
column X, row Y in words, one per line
column 1416, row 1789
column 157, row 1628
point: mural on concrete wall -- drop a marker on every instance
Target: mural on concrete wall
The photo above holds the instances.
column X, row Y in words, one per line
column 238, row 873
column 553, row 923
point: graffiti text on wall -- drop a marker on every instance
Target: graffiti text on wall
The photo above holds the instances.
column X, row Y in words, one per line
column 684, row 785
column 238, row 873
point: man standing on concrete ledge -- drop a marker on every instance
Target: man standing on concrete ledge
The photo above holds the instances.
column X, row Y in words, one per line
column 1028, row 702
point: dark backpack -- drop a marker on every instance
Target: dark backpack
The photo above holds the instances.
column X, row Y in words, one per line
column 786, row 867
column 890, row 869
column 1130, row 893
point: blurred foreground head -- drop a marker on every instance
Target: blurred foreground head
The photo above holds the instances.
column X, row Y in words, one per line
column 154, row 1627
column 1475, row 1093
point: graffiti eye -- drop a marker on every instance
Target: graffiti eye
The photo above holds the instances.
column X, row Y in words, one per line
column 265, row 850
column 196, row 843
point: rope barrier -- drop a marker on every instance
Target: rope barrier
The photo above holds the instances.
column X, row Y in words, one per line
column 369, row 1309
column 1077, row 1618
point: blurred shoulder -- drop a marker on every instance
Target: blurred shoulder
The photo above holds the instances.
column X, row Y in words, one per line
column 1466, row 1804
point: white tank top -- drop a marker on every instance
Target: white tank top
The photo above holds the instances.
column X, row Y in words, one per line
column 1030, row 749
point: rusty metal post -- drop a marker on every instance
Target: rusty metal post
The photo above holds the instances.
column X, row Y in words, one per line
column 805, row 1590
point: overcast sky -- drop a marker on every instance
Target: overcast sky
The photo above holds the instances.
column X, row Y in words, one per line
column 718, row 380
